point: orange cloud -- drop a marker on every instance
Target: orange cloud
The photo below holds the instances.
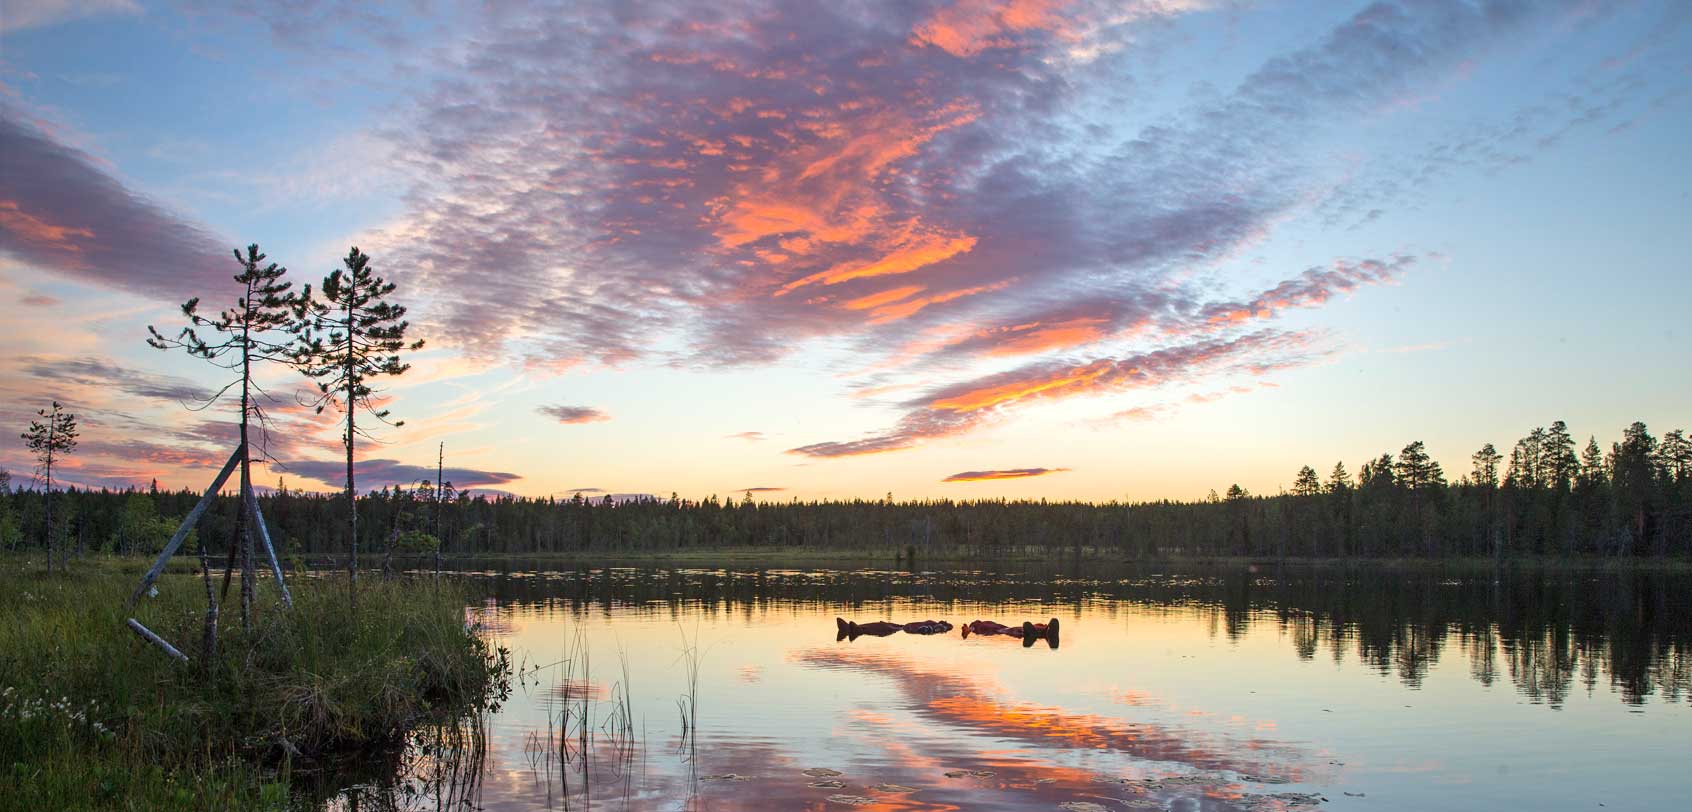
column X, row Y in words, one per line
column 903, row 258
column 968, row 27
column 1071, row 378
column 1036, row 337
column 884, row 297
column 1008, row 473
column 894, row 312
column 957, row 409
column 24, row 226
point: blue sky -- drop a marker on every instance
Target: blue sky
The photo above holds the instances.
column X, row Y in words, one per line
column 1152, row 247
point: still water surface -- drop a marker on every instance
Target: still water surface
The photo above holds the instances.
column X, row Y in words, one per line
column 1265, row 688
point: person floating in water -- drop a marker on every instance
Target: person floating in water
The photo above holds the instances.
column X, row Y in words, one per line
column 881, row 628
column 1028, row 632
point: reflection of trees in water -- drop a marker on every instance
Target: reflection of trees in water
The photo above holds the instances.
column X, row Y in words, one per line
column 1629, row 630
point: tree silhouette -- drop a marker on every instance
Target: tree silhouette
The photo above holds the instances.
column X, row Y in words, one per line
column 255, row 329
column 1632, row 475
column 1307, row 484
column 1485, row 461
column 348, row 338
column 50, row 439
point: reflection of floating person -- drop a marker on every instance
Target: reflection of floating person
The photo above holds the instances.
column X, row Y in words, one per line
column 1028, row 632
column 882, row 628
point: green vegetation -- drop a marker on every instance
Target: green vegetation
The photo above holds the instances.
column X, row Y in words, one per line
column 92, row 717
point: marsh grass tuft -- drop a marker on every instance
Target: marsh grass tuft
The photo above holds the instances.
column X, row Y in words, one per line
column 93, row 717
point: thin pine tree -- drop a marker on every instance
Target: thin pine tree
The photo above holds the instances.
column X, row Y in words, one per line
column 50, row 439
column 346, row 339
column 257, row 329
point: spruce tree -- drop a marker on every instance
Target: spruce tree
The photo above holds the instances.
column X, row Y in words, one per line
column 255, row 330
column 348, row 338
column 50, row 439
column 1559, row 464
column 1632, row 475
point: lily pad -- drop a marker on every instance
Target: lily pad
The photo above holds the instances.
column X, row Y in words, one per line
column 822, row 772
column 829, row 784
column 1084, row 806
column 893, row 788
column 725, row 777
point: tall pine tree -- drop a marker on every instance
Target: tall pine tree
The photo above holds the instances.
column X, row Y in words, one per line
column 348, row 338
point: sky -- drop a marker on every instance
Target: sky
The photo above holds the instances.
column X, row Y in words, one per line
column 960, row 249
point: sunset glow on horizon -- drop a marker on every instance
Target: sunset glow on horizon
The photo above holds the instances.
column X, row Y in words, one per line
column 958, row 249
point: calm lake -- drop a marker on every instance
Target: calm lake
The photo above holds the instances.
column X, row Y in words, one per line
column 1265, row 688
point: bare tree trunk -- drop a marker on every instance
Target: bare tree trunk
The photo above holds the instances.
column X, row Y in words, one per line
column 208, row 631
column 440, row 468
column 243, row 534
column 352, row 492
column 48, row 497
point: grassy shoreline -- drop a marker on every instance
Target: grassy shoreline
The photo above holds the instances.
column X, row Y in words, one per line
column 91, row 717
column 772, row 557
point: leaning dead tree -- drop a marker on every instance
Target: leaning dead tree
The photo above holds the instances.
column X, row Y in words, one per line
column 250, row 509
column 256, row 330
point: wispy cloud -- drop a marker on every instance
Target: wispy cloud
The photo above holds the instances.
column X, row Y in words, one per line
column 964, row 406
column 382, row 473
column 101, row 373
column 574, row 414
column 1006, row 473
column 749, row 436
column 23, row 14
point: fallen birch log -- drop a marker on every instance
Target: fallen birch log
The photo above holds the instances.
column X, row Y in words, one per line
column 147, row 635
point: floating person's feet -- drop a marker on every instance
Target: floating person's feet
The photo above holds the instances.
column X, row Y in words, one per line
column 1028, row 632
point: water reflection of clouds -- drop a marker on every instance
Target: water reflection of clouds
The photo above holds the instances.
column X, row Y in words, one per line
column 1163, row 676
column 961, row 701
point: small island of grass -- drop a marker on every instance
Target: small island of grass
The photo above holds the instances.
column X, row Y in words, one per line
column 92, row 717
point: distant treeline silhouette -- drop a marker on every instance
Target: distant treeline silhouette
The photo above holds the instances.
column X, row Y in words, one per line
column 1543, row 499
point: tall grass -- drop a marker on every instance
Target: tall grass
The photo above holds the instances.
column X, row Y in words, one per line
column 92, row 717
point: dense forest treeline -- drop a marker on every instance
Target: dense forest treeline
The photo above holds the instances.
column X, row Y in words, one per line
column 1547, row 497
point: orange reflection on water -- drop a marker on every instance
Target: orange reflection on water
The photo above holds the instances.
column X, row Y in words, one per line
column 961, row 701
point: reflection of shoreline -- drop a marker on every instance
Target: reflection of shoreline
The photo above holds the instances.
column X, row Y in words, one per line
column 964, row 703
column 1543, row 630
